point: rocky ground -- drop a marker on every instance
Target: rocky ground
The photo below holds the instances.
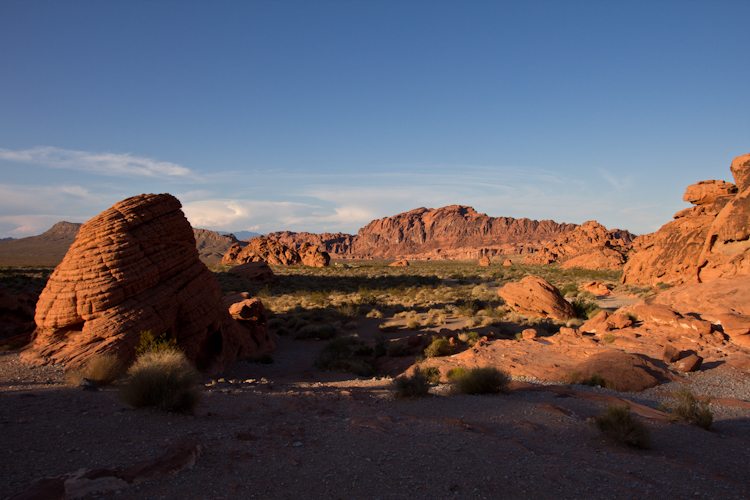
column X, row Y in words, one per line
column 287, row 430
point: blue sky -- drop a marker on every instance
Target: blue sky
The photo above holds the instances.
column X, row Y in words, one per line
column 324, row 115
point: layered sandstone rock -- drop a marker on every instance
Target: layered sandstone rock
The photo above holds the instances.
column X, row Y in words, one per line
column 399, row 263
column 135, row 268
column 485, row 261
column 704, row 242
column 211, row 245
column 589, row 246
column 16, row 315
column 273, row 252
column 536, row 296
column 336, row 244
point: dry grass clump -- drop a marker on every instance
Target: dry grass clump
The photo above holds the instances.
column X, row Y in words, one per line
column 620, row 425
column 347, row 354
column 415, row 386
column 432, row 373
column 374, row 313
column 413, row 324
column 103, row 369
column 163, row 379
column 456, row 372
column 388, row 327
column 439, row 347
column 486, row 380
column 688, row 409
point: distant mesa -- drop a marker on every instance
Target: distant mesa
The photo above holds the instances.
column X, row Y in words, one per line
column 705, row 242
column 135, row 268
column 46, row 249
column 447, row 233
column 272, row 251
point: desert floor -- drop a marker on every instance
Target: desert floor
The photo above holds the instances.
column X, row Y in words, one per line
column 288, row 430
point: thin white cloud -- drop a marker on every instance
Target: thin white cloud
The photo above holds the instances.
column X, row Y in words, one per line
column 123, row 165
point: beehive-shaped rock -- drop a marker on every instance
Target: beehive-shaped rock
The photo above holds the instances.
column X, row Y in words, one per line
column 133, row 268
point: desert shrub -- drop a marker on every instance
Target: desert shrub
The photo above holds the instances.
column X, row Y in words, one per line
column 348, row 310
column 469, row 338
column 149, row 343
column 456, row 372
column 351, row 325
column 413, row 324
column 374, row 314
column 608, row 338
column 439, row 347
column 432, row 373
column 276, row 323
column 103, row 369
column 620, row 425
column 688, row 409
column 388, row 327
column 414, row 386
column 593, row 380
column 397, row 349
column 569, row 290
column 487, row 380
column 164, row 379
column 519, row 336
column 585, row 307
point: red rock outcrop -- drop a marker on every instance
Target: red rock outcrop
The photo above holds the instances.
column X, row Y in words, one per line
column 211, row 245
column 536, row 296
column 590, row 246
column 399, row 263
column 273, row 252
column 16, row 316
column 485, row 261
column 258, row 272
column 133, row 268
column 705, row 242
column 336, row 244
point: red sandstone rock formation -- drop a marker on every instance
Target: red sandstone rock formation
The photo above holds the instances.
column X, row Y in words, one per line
column 273, row 252
column 399, row 263
column 336, row 244
column 704, row 242
column 453, row 232
column 132, row 268
column 258, row 272
column 590, row 246
column 16, row 316
column 536, row 296
column 485, row 261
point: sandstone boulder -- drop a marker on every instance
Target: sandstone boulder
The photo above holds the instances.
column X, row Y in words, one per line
column 16, row 316
column 589, row 246
column 399, row 263
column 135, row 268
column 258, row 272
column 707, row 192
column 690, row 363
column 597, row 288
column 485, row 261
column 312, row 257
column 507, row 263
column 536, row 296
column 670, row 353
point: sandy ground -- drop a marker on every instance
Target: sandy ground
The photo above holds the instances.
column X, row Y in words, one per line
column 287, row 430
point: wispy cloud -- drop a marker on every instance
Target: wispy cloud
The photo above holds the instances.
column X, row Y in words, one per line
column 123, row 165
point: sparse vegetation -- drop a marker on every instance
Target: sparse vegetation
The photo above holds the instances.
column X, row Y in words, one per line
column 103, row 369
column 413, row 386
column 585, row 307
column 149, row 343
column 397, row 349
column 487, row 380
column 608, row 338
column 689, row 409
column 164, row 379
column 439, row 347
column 620, row 425
column 432, row 373
column 456, row 372
column 347, row 354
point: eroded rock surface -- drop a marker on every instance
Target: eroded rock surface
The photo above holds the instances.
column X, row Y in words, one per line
column 705, row 242
column 133, row 268
column 272, row 251
column 589, row 246
column 536, row 296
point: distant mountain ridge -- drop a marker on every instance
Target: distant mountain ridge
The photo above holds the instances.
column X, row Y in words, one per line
column 452, row 232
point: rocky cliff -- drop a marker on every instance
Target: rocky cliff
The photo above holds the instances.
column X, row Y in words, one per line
column 453, row 232
column 704, row 242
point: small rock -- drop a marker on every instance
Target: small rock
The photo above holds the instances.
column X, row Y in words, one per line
column 670, row 354
column 689, row 364
column 88, row 385
column 297, row 444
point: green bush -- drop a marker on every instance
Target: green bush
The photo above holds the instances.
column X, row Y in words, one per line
column 164, row 379
column 103, row 370
column 487, row 380
column 620, row 425
column 413, row 325
column 456, row 372
column 411, row 387
column 584, row 307
column 439, row 347
column 344, row 354
column 149, row 343
column 688, row 409
column 432, row 373
column 608, row 338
